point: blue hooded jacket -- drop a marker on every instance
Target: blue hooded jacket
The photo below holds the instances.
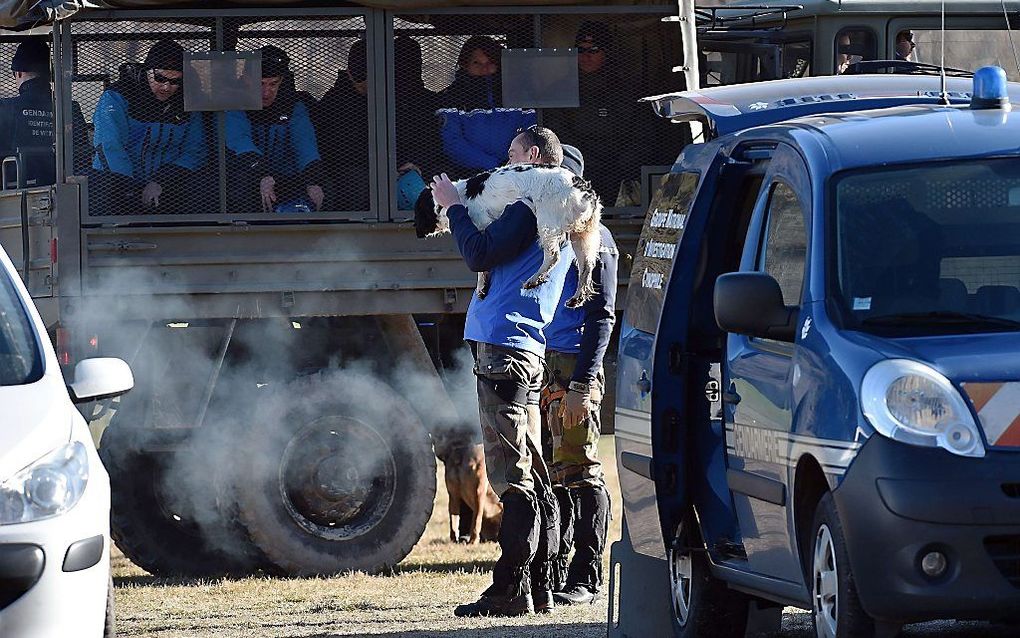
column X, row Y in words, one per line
column 478, row 140
column 138, row 136
column 282, row 135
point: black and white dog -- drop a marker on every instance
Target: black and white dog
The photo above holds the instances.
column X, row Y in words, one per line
column 564, row 205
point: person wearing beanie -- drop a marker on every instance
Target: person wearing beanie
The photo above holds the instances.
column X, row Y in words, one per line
column 570, row 402
column 147, row 148
column 606, row 120
column 274, row 153
column 26, row 121
column 341, row 125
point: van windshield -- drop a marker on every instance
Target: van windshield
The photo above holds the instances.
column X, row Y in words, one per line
column 20, row 358
column 968, row 49
column 932, row 249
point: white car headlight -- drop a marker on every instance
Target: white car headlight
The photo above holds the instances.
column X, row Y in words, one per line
column 49, row 487
column 913, row 403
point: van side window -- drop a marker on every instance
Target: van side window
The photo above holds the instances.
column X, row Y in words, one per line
column 785, row 243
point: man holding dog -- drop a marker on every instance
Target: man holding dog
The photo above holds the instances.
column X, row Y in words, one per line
column 506, row 334
column 576, row 343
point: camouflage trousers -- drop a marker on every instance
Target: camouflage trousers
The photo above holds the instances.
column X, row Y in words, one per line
column 508, row 390
column 571, row 448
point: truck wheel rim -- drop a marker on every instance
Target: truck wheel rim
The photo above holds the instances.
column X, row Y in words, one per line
column 337, row 478
column 681, row 570
column 825, row 589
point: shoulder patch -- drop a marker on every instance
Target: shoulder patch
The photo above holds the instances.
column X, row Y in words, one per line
column 475, row 185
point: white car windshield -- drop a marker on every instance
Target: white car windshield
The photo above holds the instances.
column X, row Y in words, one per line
column 20, row 356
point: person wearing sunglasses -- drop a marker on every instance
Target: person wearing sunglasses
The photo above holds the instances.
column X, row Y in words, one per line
column 905, row 45
column 605, row 121
column 147, row 148
column 276, row 147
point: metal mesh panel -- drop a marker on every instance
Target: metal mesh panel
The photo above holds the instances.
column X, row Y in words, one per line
column 615, row 134
column 431, row 136
column 147, row 155
column 306, row 150
column 332, row 84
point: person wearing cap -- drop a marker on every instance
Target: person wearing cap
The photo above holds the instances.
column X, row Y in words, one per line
column 147, row 148
column 605, row 122
column 341, row 124
column 26, row 121
column 275, row 147
column 576, row 344
column 506, row 333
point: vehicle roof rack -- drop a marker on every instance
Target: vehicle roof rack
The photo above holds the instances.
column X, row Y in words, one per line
column 725, row 18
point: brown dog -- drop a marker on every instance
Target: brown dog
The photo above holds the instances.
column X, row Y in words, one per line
column 468, row 486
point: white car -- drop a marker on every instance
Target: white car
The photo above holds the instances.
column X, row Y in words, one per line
column 54, row 491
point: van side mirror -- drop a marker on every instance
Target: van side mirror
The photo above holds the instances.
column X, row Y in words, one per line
column 751, row 303
column 100, row 378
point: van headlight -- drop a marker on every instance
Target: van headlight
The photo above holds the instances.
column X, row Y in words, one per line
column 49, row 487
column 910, row 402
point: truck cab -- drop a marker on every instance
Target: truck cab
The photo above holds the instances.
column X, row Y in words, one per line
column 815, row 400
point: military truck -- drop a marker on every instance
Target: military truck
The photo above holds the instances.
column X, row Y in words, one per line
column 295, row 369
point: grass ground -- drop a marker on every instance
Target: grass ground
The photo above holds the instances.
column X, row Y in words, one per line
column 417, row 600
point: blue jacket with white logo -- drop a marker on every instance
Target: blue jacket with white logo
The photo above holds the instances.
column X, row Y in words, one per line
column 284, row 139
column 478, row 140
column 138, row 136
column 586, row 331
column 508, row 248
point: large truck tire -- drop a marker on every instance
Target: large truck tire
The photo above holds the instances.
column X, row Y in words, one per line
column 339, row 475
column 151, row 529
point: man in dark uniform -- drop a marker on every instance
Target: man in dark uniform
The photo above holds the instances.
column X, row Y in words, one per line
column 576, row 343
column 604, row 124
column 26, row 121
column 505, row 331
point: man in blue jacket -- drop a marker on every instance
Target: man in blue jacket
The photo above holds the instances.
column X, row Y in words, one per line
column 147, row 147
column 275, row 148
column 576, row 343
column 506, row 333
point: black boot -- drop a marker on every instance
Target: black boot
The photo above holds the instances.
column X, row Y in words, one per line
column 488, row 605
column 510, row 592
column 566, row 504
column 591, row 526
column 543, row 567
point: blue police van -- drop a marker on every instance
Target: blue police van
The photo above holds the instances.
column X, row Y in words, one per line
column 818, row 398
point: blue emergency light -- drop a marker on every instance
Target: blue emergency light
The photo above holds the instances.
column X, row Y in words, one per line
column 990, row 90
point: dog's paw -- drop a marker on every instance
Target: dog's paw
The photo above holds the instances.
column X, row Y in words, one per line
column 534, row 282
column 481, row 293
column 582, row 297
